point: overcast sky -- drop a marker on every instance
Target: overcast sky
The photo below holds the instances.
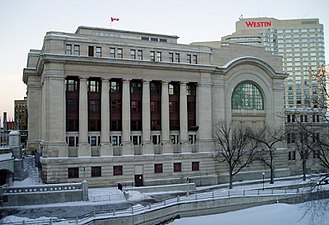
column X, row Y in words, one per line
column 23, row 24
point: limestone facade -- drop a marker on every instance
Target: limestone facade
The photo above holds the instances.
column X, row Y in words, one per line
column 115, row 106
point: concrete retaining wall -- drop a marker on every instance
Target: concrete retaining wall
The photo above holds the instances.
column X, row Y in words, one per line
column 44, row 194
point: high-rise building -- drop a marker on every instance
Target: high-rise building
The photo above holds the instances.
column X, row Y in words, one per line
column 21, row 114
column 301, row 44
column 115, row 106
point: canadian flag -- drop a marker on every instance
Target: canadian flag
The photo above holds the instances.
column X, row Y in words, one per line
column 114, row 19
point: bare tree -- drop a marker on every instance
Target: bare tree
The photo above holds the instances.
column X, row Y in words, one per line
column 234, row 147
column 267, row 138
column 302, row 148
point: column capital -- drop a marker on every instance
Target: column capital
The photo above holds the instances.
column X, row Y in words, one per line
column 165, row 82
column 125, row 80
column 147, row 80
column 83, row 78
column 183, row 83
column 105, row 79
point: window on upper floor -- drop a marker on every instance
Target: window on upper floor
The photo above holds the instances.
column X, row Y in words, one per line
column 171, row 57
column 177, row 57
column 152, row 56
column 112, row 52
column 132, row 54
column 71, row 85
column 120, row 53
column 159, row 57
column 91, row 51
column 76, row 50
column 189, row 58
column 140, row 54
column 195, row 59
column 248, row 96
column 98, row 51
column 68, row 50
column 94, row 86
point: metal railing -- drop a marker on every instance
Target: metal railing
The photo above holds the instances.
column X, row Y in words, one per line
column 206, row 196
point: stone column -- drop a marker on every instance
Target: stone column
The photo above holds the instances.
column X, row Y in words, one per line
column 146, row 140
column 204, row 114
column 167, row 146
column 183, row 134
column 127, row 146
column 105, row 118
column 53, row 114
column 84, row 147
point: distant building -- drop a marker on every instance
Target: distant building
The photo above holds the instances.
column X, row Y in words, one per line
column 21, row 114
column 115, row 106
column 301, row 44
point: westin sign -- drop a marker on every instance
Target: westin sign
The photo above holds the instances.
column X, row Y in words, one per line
column 258, row 24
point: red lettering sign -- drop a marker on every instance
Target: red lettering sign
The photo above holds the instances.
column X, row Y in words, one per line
column 258, row 24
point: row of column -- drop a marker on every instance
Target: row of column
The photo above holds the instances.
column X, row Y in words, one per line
column 146, row 132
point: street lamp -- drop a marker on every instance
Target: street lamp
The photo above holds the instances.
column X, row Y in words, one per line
column 263, row 180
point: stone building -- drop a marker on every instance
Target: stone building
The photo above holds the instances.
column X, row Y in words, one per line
column 120, row 106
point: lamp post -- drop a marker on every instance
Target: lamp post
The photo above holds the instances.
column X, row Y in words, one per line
column 263, row 180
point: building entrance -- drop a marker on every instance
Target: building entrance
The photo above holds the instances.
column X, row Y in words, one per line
column 139, row 180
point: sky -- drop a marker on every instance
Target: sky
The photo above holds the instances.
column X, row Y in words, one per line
column 24, row 24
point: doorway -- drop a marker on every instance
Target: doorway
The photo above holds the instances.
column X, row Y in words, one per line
column 139, row 180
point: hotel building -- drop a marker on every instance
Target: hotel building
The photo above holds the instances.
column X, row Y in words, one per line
column 120, row 106
column 300, row 42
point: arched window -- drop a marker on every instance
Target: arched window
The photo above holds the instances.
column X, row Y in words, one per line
column 248, row 96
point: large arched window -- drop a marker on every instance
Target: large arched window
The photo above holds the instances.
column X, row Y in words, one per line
column 248, row 96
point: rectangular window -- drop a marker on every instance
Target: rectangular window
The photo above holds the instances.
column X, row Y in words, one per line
column 158, row 168
column 93, row 86
column 94, row 106
column 120, row 53
column 152, row 56
column 73, row 172
column 76, row 50
column 114, row 140
column 115, row 87
column 112, row 52
column 195, row 59
column 68, row 50
column 177, row 167
column 191, row 89
column 71, row 141
column 140, row 54
column 117, row 171
column 98, row 51
column 159, row 57
column 171, row 57
column 195, row 166
column 71, row 85
column 115, row 106
column 133, row 106
column 288, row 118
column 132, row 54
column 189, row 58
column 177, row 57
column 96, row 171
column 91, row 51
column 93, row 141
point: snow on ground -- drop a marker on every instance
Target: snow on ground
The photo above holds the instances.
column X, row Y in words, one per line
column 275, row 214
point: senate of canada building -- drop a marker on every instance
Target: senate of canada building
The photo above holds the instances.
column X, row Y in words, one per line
column 115, row 106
